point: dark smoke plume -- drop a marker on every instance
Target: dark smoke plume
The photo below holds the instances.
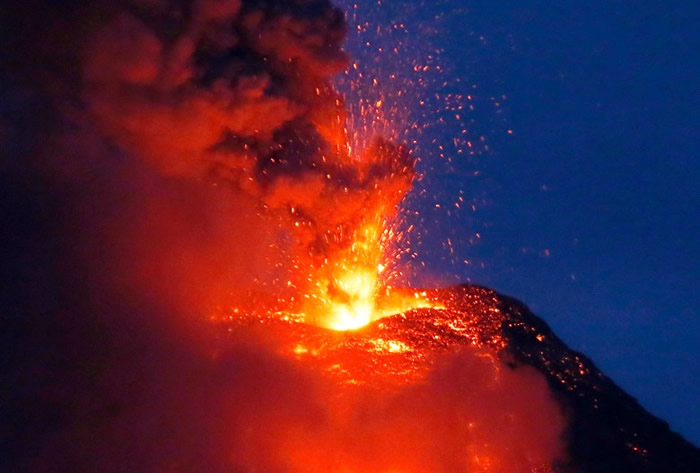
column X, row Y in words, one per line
column 227, row 93
column 159, row 158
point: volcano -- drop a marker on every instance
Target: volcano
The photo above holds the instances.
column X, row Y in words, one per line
column 607, row 429
column 169, row 158
column 476, row 384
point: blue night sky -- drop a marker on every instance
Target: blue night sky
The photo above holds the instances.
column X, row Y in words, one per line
column 590, row 210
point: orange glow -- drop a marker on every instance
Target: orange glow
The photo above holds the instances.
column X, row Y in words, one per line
column 355, row 281
column 354, row 291
column 421, row 391
column 357, row 306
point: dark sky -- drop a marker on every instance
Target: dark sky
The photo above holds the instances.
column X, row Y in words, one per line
column 590, row 210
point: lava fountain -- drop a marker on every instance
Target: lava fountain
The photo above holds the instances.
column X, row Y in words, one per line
column 353, row 286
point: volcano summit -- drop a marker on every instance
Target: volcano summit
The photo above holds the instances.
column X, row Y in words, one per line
column 603, row 429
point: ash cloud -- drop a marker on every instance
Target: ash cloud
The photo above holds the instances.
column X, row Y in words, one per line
column 195, row 94
column 153, row 152
column 239, row 93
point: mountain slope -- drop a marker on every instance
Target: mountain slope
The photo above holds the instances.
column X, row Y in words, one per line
column 609, row 430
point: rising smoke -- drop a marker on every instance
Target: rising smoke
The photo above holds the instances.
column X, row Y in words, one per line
column 160, row 158
column 214, row 93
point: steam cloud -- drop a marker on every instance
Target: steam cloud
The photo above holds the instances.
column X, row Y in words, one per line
column 159, row 158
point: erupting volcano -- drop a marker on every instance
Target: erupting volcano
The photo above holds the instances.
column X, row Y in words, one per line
column 228, row 277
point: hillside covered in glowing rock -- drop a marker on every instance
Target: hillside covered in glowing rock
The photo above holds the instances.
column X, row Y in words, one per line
column 606, row 429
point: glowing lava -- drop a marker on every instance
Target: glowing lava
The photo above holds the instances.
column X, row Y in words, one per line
column 355, row 292
column 349, row 295
column 358, row 307
column 422, row 391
